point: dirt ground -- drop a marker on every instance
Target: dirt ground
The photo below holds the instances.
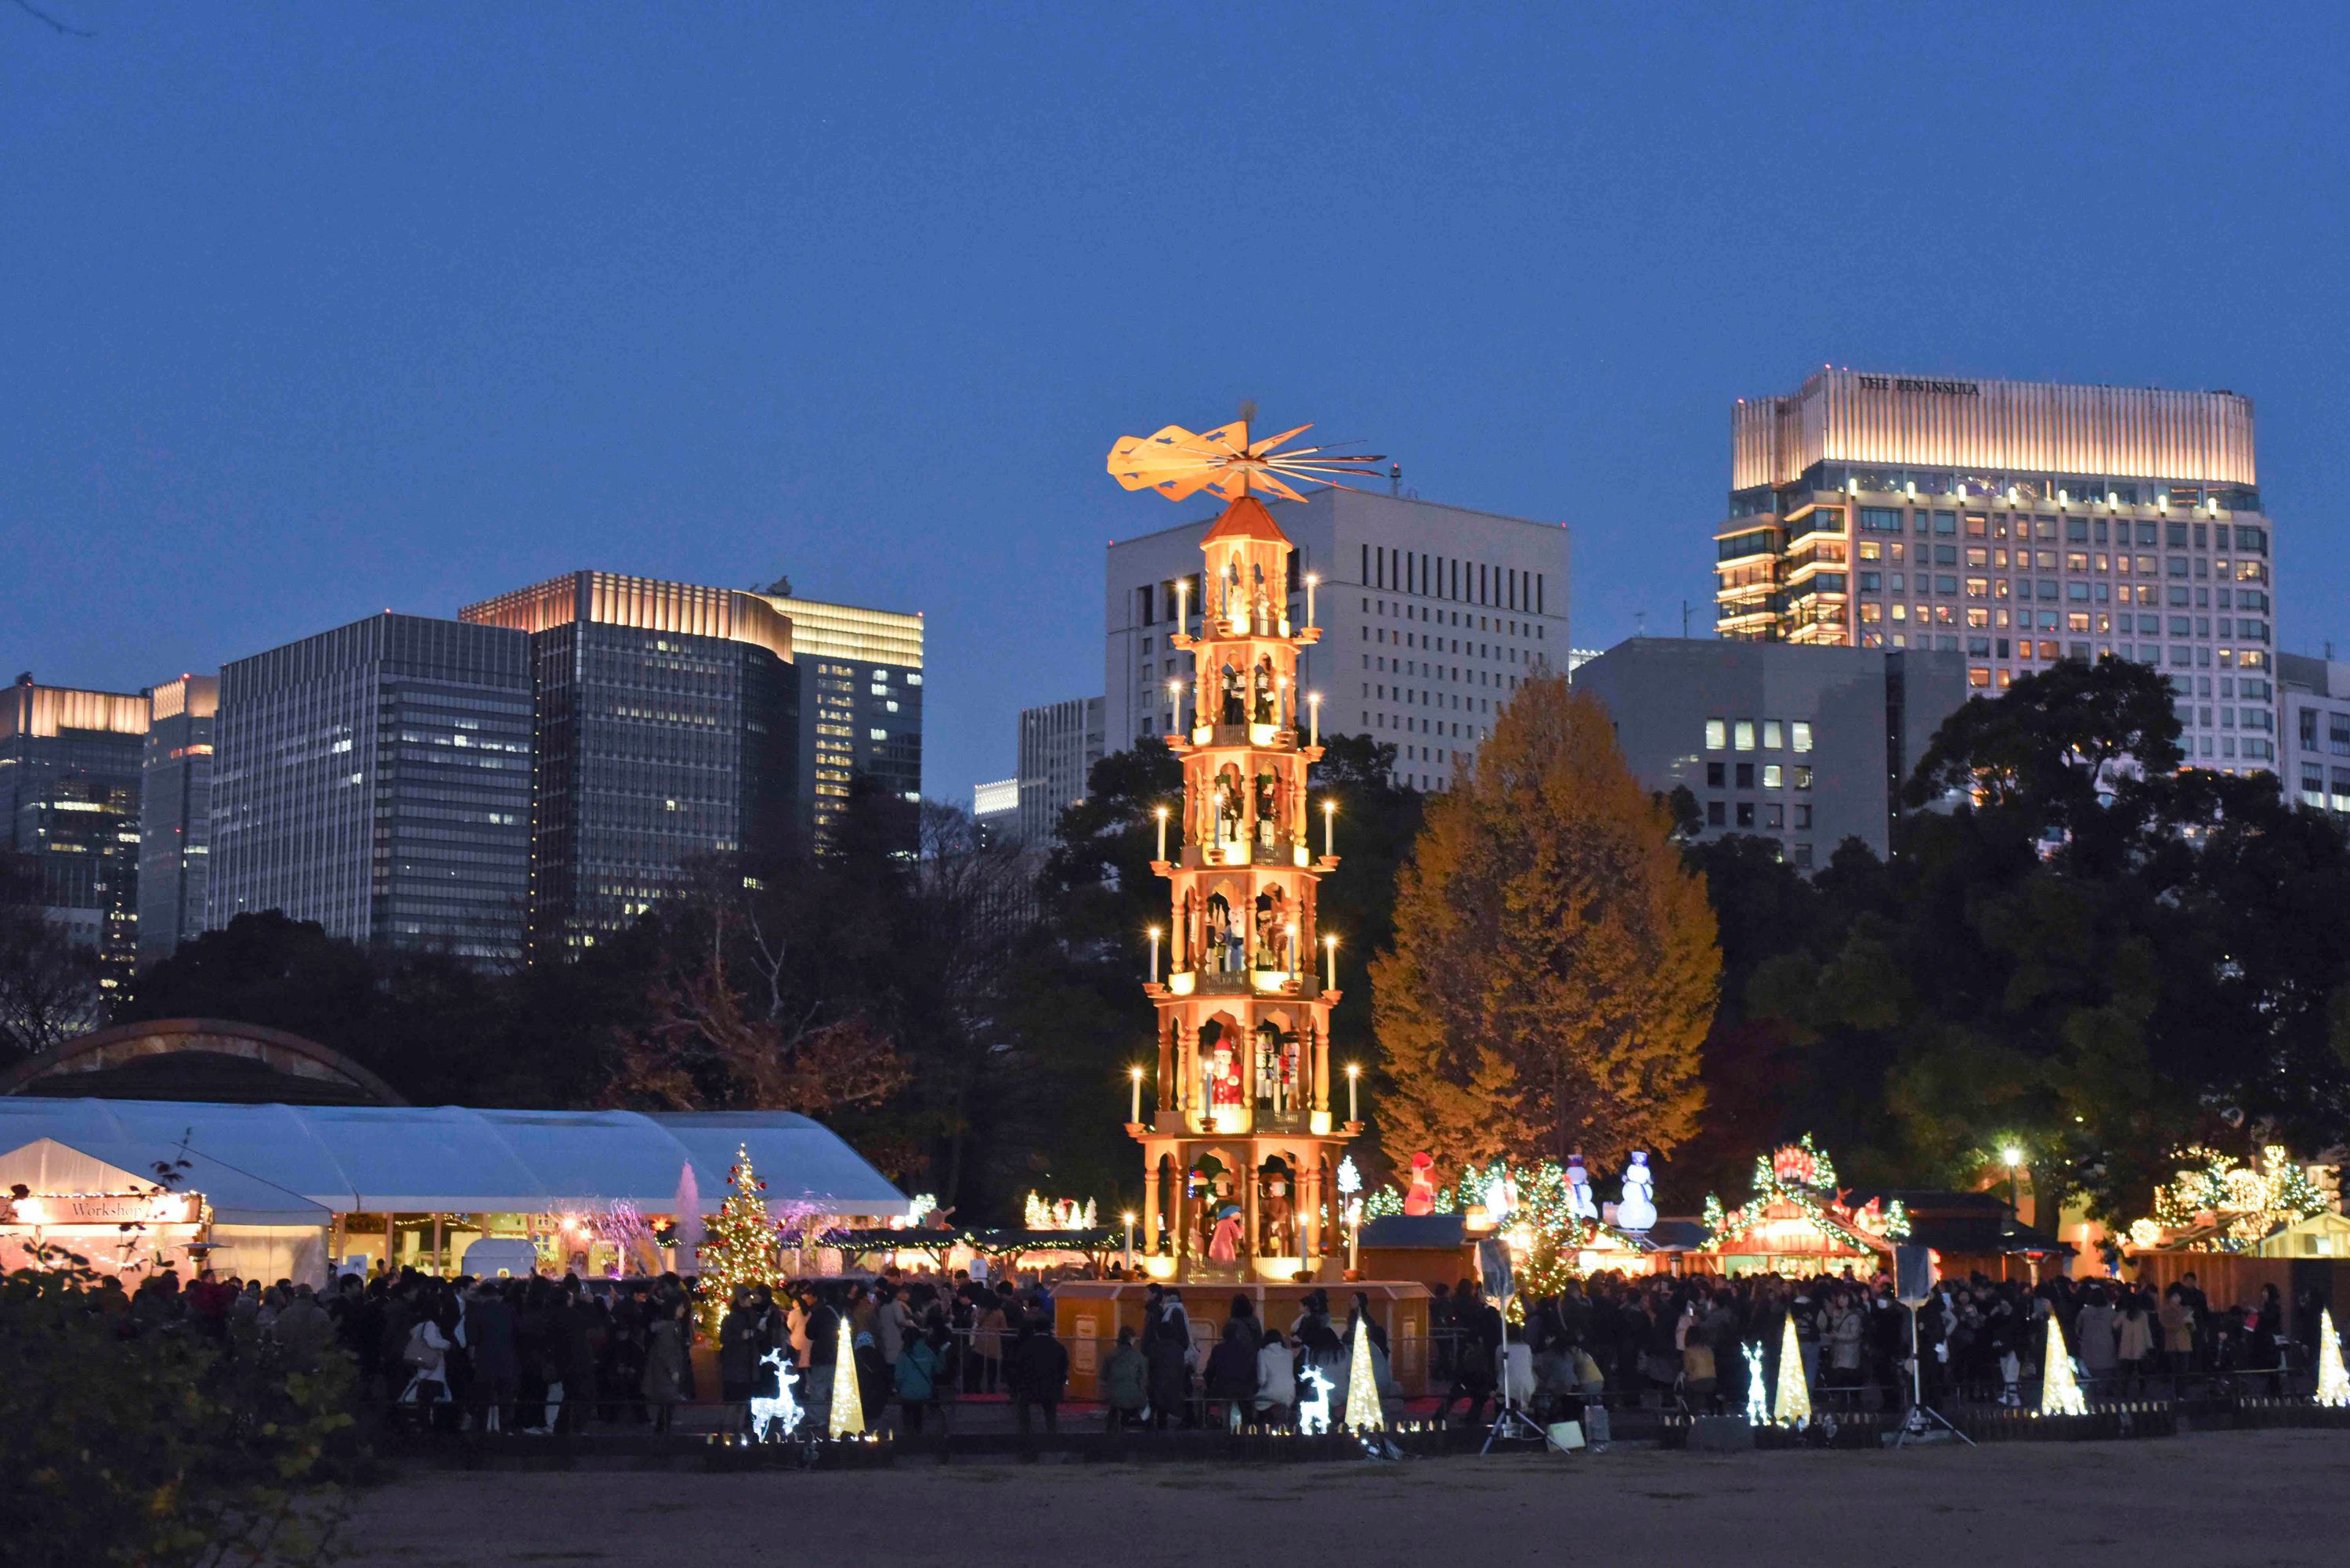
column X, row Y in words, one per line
column 2219, row 1501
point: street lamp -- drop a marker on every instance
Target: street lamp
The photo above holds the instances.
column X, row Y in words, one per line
column 2014, row 1156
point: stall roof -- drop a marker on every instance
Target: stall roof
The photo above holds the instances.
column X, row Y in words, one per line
column 419, row 1158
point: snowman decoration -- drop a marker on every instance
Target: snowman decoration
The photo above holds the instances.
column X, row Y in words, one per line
column 1637, row 1209
column 1580, row 1204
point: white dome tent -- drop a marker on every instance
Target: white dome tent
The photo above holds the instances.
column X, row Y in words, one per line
column 278, row 1188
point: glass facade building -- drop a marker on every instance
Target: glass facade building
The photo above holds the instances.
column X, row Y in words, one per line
column 377, row 779
column 69, row 804
column 860, row 703
column 1059, row 744
column 175, row 800
column 666, row 718
column 2014, row 524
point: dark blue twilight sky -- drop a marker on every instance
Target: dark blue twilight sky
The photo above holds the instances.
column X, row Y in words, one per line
column 316, row 310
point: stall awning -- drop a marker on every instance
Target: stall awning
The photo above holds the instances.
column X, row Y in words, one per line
column 417, row 1158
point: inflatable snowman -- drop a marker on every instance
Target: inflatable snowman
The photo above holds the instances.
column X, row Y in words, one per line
column 1580, row 1204
column 1637, row 1209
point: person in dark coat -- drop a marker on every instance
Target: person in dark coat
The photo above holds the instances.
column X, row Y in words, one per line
column 669, row 1359
column 497, row 1360
column 1038, row 1372
column 1231, row 1372
column 578, row 1328
column 1170, row 1378
column 738, row 1356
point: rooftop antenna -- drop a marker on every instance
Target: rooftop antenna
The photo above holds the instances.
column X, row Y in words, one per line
column 1639, row 623
column 1394, row 484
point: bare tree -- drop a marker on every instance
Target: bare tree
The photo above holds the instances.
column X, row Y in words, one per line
column 49, row 991
column 731, row 1031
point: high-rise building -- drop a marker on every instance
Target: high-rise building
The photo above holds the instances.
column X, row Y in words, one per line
column 1059, row 744
column 665, row 718
column 376, row 779
column 2015, row 523
column 995, row 810
column 1806, row 746
column 175, row 813
column 1430, row 615
column 860, row 703
column 2315, row 731
column 69, row 804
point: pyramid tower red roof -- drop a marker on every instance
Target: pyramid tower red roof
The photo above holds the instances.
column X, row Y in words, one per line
column 1246, row 518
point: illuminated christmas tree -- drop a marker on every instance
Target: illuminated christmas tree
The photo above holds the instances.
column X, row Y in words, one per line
column 2060, row 1391
column 1793, row 1404
column 740, row 1246
column 2333, row 1383
column 1363, row 1412
column 848, row 1399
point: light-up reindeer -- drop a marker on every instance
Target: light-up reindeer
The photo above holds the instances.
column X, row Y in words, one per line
column 1314, row 1411
column 778, row 1409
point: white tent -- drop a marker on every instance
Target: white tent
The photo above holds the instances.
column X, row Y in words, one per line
column 285, row 1171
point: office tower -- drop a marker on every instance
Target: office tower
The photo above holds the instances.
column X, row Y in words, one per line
column 860, row 703
column 2315, row 731
column 2016, row 523
column 1431, row 616
column 995, row 810
column 664, row 718
column 175, row 808
column 69, row 793
column 376, row 779
column 1059, row 744
column 1806, row 746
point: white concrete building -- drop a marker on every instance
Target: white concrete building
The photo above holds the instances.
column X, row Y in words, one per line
column 1431, row 616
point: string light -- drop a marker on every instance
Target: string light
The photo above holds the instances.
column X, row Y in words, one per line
column 1802, row 1177
column 2247, row 1204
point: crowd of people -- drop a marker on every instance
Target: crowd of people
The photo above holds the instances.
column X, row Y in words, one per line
column 543, row 1356
column 1664, row 1340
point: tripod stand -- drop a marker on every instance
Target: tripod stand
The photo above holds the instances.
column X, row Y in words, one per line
column 1509, row 1419
column 1914, row 1424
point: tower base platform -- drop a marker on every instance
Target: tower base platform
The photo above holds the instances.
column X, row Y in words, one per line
column 1087, row 1314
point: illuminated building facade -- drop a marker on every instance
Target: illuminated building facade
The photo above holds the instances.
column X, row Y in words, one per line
column 664, row 718
column 69, row 804
column 2015, row 523
column 175, row 813
column 377, row 779
column 1432, row 615
column 995, row 810
column 860, row 703
column 1059, row 744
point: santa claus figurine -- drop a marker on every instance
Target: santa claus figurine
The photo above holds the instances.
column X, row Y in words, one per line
column 1420, row 1197
column 1223, row 1078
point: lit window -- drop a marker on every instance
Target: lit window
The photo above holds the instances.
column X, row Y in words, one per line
column 1772, row 738
column 1773, row 778
column 1715, row 738
column 1744, row 731
column 1803, row 735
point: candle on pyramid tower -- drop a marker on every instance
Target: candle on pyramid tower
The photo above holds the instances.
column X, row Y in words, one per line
column 2060, row 1391
column 847, row 1403
column 1792, row 1404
